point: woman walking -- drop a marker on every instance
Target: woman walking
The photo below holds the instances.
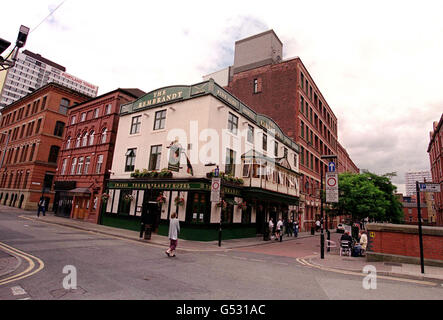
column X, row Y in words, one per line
column 174, row 230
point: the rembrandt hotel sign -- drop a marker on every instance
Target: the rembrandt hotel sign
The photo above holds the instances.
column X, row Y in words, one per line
column 162, row 96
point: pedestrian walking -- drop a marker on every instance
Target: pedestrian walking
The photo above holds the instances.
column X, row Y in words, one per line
column 144, row 222
column 279, row 232
column 363, row 241
column 271, row 229
column 41, row 207
column 317, row 225
column 296, row 228
column 290, row 228
column 174, row 231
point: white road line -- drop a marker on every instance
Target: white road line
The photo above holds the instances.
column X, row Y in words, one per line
column 25, row 298
column 281, row 263
column 257, row 260
column 18, row 291
column 240, row 258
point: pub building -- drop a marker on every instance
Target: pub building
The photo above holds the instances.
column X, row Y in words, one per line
column 172, row 141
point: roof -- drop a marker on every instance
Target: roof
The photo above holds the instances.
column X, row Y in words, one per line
column 134, row 92
column 38, row 57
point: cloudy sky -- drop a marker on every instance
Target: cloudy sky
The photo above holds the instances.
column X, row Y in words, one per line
column 379, row 64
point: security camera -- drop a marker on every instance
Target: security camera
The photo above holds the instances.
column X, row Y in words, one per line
column 4, row 45
column 22, row 36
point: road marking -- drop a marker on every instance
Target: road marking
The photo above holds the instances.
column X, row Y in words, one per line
column 257, row 260
column 281, row 263
column 364, row 275
column 25, row 298
column 240, row 258
column 18, row 291
column 29, row 258
column 221, row 255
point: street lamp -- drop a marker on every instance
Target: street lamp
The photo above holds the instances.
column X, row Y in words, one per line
column 6, row 64
column 216, row 175
column 322, row 237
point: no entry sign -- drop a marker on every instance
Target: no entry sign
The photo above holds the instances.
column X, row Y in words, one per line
column 215, row 189
column 331, row 187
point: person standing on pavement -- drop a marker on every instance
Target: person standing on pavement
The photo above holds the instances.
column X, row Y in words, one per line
column 41, row 207
column 296, row 228
column 317, row 225
column 289, row 228
column 279, row 232
column 174, row 230
column 363, row 241
column 271, row 229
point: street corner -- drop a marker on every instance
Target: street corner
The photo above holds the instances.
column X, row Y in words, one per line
column 8, row 263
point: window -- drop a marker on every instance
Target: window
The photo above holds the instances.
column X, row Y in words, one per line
column 53, row 154
column 87, row 163
column 104, row 133
column 91, row 138
column 230, row 162
column 108, row 108
column 73, row 119
column 77, row 143
column 83, row 117
column 155, row 157
column 160, row 120
column 85, row 139
column 265, row 142
column 31, row 156
column 130, row 160
column 39, row 123
column 302, row 80
column 257, row 85
column 59, row 128
column 136, row 123
column 276, row 148
column 64, row 104
column 96, row 111
column 44, row 103
column 250, row 136
column 80, row 165
column 68, row 143
column 73, row 165
column 232, row 123
column 302, row 129
column 285, row 153
column 98, row 168
column 65, row 161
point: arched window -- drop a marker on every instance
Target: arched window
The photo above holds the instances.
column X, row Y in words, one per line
column 104, row 133
column 77, row 143
column 85, row 140
column 91, row 138
column 68, row 143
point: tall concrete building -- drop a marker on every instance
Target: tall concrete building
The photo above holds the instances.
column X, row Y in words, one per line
column 285, row 91
column 413, row 177
column 31, row 72
column 435, row 150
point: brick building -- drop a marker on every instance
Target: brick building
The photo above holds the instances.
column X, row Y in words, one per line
column 286, row 92
column 32, row 130
column 435, row 150
column 86, row 155
column 345, row 163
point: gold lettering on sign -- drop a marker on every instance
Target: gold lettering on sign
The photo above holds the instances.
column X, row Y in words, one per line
column 160, row 97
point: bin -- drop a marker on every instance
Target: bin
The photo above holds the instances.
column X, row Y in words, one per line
column 148, row 231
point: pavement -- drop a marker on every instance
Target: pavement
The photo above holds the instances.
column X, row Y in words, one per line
column 333, row 261
column 8, row 263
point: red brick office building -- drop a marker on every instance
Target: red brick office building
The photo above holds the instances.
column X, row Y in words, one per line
column 435, row 150
column 345, row 163
column 285, row 91
column 32, row 130
column 86, row 155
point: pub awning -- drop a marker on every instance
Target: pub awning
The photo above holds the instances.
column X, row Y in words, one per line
column 79, row 191
column 267, row 195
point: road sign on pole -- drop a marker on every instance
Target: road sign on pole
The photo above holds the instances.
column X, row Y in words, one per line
column 331, row 167
column 332, row 187
column 430, row 187
column 215, row 189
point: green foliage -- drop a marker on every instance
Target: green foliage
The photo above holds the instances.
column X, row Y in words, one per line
column 367, row 195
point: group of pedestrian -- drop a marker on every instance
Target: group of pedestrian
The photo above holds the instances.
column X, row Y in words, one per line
column 358, row 245
column 288, row 227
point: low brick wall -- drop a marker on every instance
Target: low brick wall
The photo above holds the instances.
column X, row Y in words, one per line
column 400, row 243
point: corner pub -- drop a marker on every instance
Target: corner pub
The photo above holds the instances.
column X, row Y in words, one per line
column 171, row 141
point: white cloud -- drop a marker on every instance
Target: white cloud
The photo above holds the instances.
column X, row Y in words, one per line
column 378, row 63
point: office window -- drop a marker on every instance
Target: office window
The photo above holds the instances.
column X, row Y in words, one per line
column 302, row 129
column 85, row 139
column 130, row 160
column 59, row 128
column 257, row 85
column 65, row 161
column 250, row 136
column 83, row 117
column 96, row 111
column 285, row 153
column 31, row 156
column 232, row 123
column 53, row 154
column 276, row 148
column 87, row 163
column 265, row 142
column 160, row 120
column 98, row 168
column 302, row 104
column 64, row 104
column 302, row 80
column 80, row 165
column 73, row 165
column 44, row 103
column 108, row 108
column 68, row 143
column 230, row 162
column 155, row 157
column 136, row 123
column 73, row 119
column 77, row 143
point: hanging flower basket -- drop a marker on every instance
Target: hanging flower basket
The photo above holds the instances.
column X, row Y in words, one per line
column 161, row 199
column 105, row 197
column 222, row 204
column 179, row 201
column 242, row 205
column 128, row 197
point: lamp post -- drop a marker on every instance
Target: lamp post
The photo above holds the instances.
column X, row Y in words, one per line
column 322, row 237
column 216, row 175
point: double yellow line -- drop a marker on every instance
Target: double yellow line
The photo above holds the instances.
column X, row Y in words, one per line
column 304, row 262
column 34, row 264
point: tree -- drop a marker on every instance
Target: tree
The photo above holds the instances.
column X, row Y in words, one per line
column 367, row 195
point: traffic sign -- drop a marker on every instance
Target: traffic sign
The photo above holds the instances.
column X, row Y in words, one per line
column 331, row 187
column 215, row 189
column 430, row 187
column 331, row 167
column 217, row 172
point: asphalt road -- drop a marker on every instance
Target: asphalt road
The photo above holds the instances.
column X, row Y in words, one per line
column 109, row 268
